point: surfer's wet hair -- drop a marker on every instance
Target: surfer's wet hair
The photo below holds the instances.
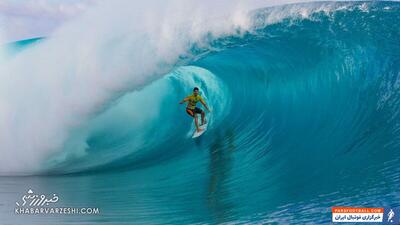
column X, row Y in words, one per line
column 195, row 89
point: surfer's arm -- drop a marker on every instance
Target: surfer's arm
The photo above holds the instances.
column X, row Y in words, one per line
column 184, row 100
column 204, row 104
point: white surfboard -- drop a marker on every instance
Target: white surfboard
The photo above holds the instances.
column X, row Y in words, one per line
column 198, row 134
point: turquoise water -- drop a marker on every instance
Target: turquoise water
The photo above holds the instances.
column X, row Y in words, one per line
column 305, row 117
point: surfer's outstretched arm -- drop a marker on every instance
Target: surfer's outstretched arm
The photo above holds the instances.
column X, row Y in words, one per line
column 205, row 105
column 184, row 100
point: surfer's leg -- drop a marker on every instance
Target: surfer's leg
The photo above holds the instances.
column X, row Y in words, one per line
column 203, row 117
column 201, row 112
column 196, row 122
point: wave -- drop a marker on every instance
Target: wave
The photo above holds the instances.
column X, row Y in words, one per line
column 299, row 93
column 305, row 108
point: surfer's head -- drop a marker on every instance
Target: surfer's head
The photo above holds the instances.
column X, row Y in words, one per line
column 195, row 91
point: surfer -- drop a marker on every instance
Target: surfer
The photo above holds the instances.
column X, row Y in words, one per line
column 192, row 110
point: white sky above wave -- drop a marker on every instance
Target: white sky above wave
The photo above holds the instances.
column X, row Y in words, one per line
column 23, row 19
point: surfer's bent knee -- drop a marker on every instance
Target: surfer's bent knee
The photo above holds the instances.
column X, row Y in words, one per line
column 190, row 112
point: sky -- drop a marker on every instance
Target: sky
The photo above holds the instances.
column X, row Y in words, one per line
column 23, row 19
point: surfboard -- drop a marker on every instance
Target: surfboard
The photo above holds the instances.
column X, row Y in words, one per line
column 198, row 134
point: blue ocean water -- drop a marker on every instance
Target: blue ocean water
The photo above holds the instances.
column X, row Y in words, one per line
column 305, row 116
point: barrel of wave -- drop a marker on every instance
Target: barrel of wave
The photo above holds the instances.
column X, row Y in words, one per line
column 140, row 121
